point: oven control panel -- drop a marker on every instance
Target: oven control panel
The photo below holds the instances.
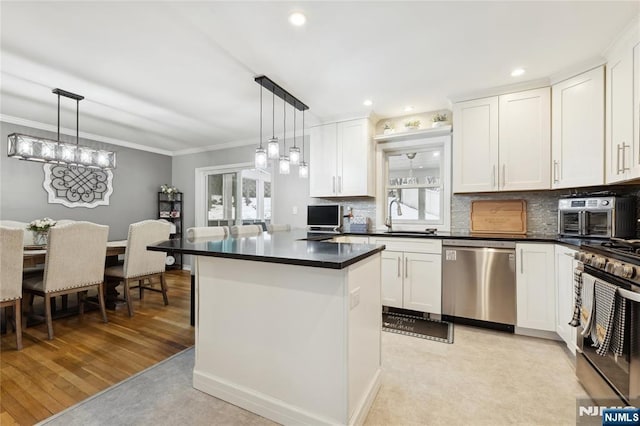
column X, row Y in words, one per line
column 609, row 265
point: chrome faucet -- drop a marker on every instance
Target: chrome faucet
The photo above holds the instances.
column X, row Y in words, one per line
column 389, row 223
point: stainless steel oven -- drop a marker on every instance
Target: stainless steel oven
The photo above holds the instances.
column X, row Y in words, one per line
column 613, row 377
column 597, row 217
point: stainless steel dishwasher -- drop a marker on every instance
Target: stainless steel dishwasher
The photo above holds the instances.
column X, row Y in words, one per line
column 479, row 282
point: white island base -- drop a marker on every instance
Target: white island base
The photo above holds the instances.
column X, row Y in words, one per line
column 295, row 344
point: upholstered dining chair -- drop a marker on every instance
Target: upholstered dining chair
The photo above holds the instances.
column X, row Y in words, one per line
column 74, row 264
column 11, row 246
column 28, row 235
column 140, row 264
column 278, row 228
column 202, row 232
column 245, row 230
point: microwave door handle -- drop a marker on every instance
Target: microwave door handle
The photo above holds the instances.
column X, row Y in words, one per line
column 582, row 228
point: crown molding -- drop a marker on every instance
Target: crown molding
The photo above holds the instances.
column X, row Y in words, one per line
column 72, row 132
column 500, row 90
column 577, row 69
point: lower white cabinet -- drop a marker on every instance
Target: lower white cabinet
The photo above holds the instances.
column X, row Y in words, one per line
column 565, row 264
column 536, row 288
column 412, row 279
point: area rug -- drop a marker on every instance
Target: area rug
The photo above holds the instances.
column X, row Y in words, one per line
column 160, row 395
column 417, row 326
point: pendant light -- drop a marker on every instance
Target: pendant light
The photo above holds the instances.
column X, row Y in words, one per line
column 25, row 147
column 303, row 169
column 285, row 165
column 294, row 151
column 273, row 147
column 261, row 153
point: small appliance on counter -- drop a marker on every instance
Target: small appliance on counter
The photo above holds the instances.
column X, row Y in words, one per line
column 597, row 217
column 325, row 218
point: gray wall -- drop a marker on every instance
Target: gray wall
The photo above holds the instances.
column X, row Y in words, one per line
column 136, row 182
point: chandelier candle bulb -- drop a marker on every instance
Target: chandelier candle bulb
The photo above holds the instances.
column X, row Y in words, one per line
column 294, row 155
column 303, row 170
column 261, row 158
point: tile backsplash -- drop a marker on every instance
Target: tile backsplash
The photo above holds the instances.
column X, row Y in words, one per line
column 542, row 206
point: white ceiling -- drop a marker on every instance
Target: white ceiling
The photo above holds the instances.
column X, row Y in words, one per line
column 174, row 76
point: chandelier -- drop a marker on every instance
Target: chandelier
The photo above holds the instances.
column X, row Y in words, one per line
column 292, row 157
column 32, row 148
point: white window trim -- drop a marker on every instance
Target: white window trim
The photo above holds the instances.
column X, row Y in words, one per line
column 382, row 148
column 200, row 185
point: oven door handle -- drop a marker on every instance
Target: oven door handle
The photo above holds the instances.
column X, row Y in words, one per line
column 582, row 230
column 629, row 295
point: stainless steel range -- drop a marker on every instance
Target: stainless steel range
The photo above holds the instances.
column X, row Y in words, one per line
column 613, row 377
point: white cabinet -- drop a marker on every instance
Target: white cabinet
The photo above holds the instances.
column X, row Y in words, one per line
column 475, row 145
column 535, row 283
column 577, row 123
column 565, row 264
column 503, row 143
column 341, row 160
column 412, row 279
column 622, row 111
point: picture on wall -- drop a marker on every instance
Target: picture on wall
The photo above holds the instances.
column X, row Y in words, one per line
column 74, row 186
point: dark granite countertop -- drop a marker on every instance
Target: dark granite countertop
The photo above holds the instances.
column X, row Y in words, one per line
column 295, row 247
column 542, row 238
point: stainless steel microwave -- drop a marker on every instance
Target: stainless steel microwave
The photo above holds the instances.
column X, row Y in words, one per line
column 597, row 217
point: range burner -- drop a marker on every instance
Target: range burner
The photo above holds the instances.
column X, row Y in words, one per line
column 622, row 248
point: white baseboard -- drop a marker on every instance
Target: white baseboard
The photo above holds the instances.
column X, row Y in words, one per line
column 256, row 402
column 360, row 414
column 551, row 335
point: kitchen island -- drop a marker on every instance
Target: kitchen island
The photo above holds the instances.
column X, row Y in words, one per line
column 286, row 327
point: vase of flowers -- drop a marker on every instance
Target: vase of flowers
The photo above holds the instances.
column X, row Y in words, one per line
column 170, row 191
column 412, row 125
column 439, row 119
column 40, row 229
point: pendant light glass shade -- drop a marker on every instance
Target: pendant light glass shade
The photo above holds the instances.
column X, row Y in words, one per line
column 273, row 149
column 261, row 158
column 285, row 165
column 303, row 170
column 294, row 155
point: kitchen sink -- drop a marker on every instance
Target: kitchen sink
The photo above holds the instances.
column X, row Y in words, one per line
column 433, row 232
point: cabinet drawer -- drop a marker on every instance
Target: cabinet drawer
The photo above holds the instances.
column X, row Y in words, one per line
column 414, row 245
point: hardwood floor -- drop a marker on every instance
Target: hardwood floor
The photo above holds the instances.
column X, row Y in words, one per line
column 87, row 355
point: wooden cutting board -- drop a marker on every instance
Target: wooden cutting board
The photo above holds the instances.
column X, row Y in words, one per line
column 499, row 217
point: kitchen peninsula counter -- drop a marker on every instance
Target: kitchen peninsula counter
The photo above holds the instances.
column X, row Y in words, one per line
column 287, row 327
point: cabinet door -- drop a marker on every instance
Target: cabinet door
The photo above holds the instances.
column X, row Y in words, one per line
column 354, row 165
column 323, row 160
column 475, row 145
column 634, row 153
column 392, row 278
column 578, row 131
column 536, row 296
column 525, row 140
column 565, row 265
column 619, row 116
column 423, row 282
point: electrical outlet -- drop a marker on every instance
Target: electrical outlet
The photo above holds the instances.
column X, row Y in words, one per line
column 354, row 297
column 294, row 210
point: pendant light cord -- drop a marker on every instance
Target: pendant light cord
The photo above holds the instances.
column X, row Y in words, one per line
column 58, row 117
column 302, row 135
column 273, row 115
column 294, row 126
column 260, row 116
column 284, row 133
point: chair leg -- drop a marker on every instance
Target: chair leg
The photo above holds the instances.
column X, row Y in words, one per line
column 18, row 326
column 103, row 308
column 163, row 285
column 141, row 289
column 65, row 302
column 127, row 296
column 47, row 313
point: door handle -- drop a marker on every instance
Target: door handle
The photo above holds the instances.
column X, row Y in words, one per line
column 521, row 261
column 399, row 267
column 555, row 171
column 406, row 267
column 618, row 160
column 504, row 175
column 333, row 179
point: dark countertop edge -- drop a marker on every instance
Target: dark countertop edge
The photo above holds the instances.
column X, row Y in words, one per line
column 567, row 241
column 271, row 259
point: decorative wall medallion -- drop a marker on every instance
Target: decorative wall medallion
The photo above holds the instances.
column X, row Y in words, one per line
column 74, row 186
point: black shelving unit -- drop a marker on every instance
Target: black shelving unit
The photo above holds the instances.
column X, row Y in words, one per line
column 170, row 207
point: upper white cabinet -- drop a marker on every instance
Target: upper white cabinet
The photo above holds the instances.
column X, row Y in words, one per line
column 577, row 142
column 536, row 289
column 503, row 143
column 341, row 160
column 622, row 110
column 475, row 145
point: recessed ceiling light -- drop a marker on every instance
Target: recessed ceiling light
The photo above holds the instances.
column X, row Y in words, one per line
column 367, row 102
column 297, row 18
column 408, row 108
column 517, row 72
